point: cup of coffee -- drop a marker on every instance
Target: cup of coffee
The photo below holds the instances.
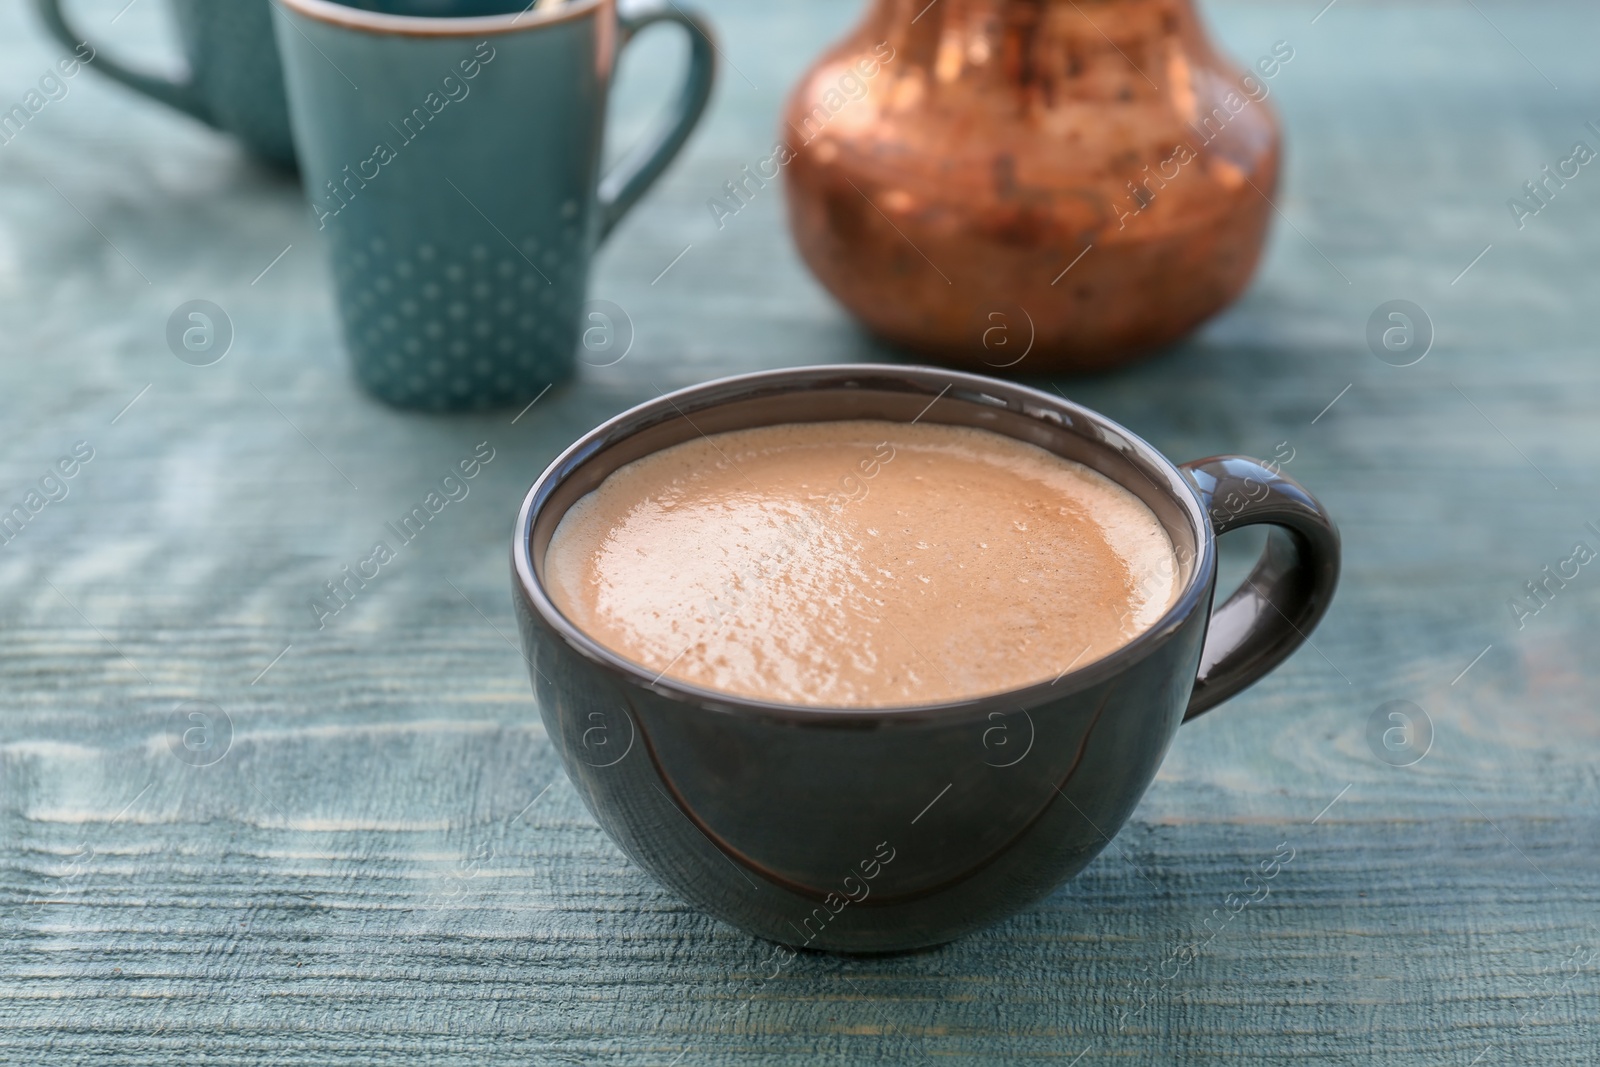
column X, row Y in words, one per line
column 863, row 658
column 234, row 82
column 453, row 164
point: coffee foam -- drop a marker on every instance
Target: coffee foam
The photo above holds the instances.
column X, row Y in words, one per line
column 860, row 564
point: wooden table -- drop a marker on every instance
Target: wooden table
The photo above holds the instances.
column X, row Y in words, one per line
column 387, row 865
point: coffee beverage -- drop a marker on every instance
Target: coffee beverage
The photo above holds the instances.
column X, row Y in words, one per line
column 860, row 564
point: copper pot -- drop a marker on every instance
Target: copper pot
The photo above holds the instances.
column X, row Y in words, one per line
column 1042, row 185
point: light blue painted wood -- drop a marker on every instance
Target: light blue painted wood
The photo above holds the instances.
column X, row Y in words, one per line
column 388, row 865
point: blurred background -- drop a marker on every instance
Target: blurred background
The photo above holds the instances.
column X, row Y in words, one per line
column 355, row 877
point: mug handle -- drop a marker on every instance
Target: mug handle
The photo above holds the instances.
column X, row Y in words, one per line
column 626, row 182
column 1287, row 593
column 176, row 94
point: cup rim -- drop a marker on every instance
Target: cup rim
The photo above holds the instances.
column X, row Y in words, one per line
column 641, row 416
column 355, row 18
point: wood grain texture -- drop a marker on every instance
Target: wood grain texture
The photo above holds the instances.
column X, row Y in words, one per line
column 388, row 865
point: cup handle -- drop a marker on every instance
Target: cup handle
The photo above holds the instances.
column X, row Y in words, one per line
column 176, row 94
column 626, row 182
column 1287, row 592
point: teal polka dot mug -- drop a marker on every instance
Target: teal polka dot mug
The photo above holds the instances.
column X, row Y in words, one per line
column 233, row 81
column 453, row 166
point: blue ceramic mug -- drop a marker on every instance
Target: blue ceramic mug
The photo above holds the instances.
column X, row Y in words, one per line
column 454, row 167
column 234, row 81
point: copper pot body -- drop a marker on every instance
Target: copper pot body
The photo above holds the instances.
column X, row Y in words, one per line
column 1031, row 185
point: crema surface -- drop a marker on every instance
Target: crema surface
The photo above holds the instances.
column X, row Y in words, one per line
column 860, row 564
